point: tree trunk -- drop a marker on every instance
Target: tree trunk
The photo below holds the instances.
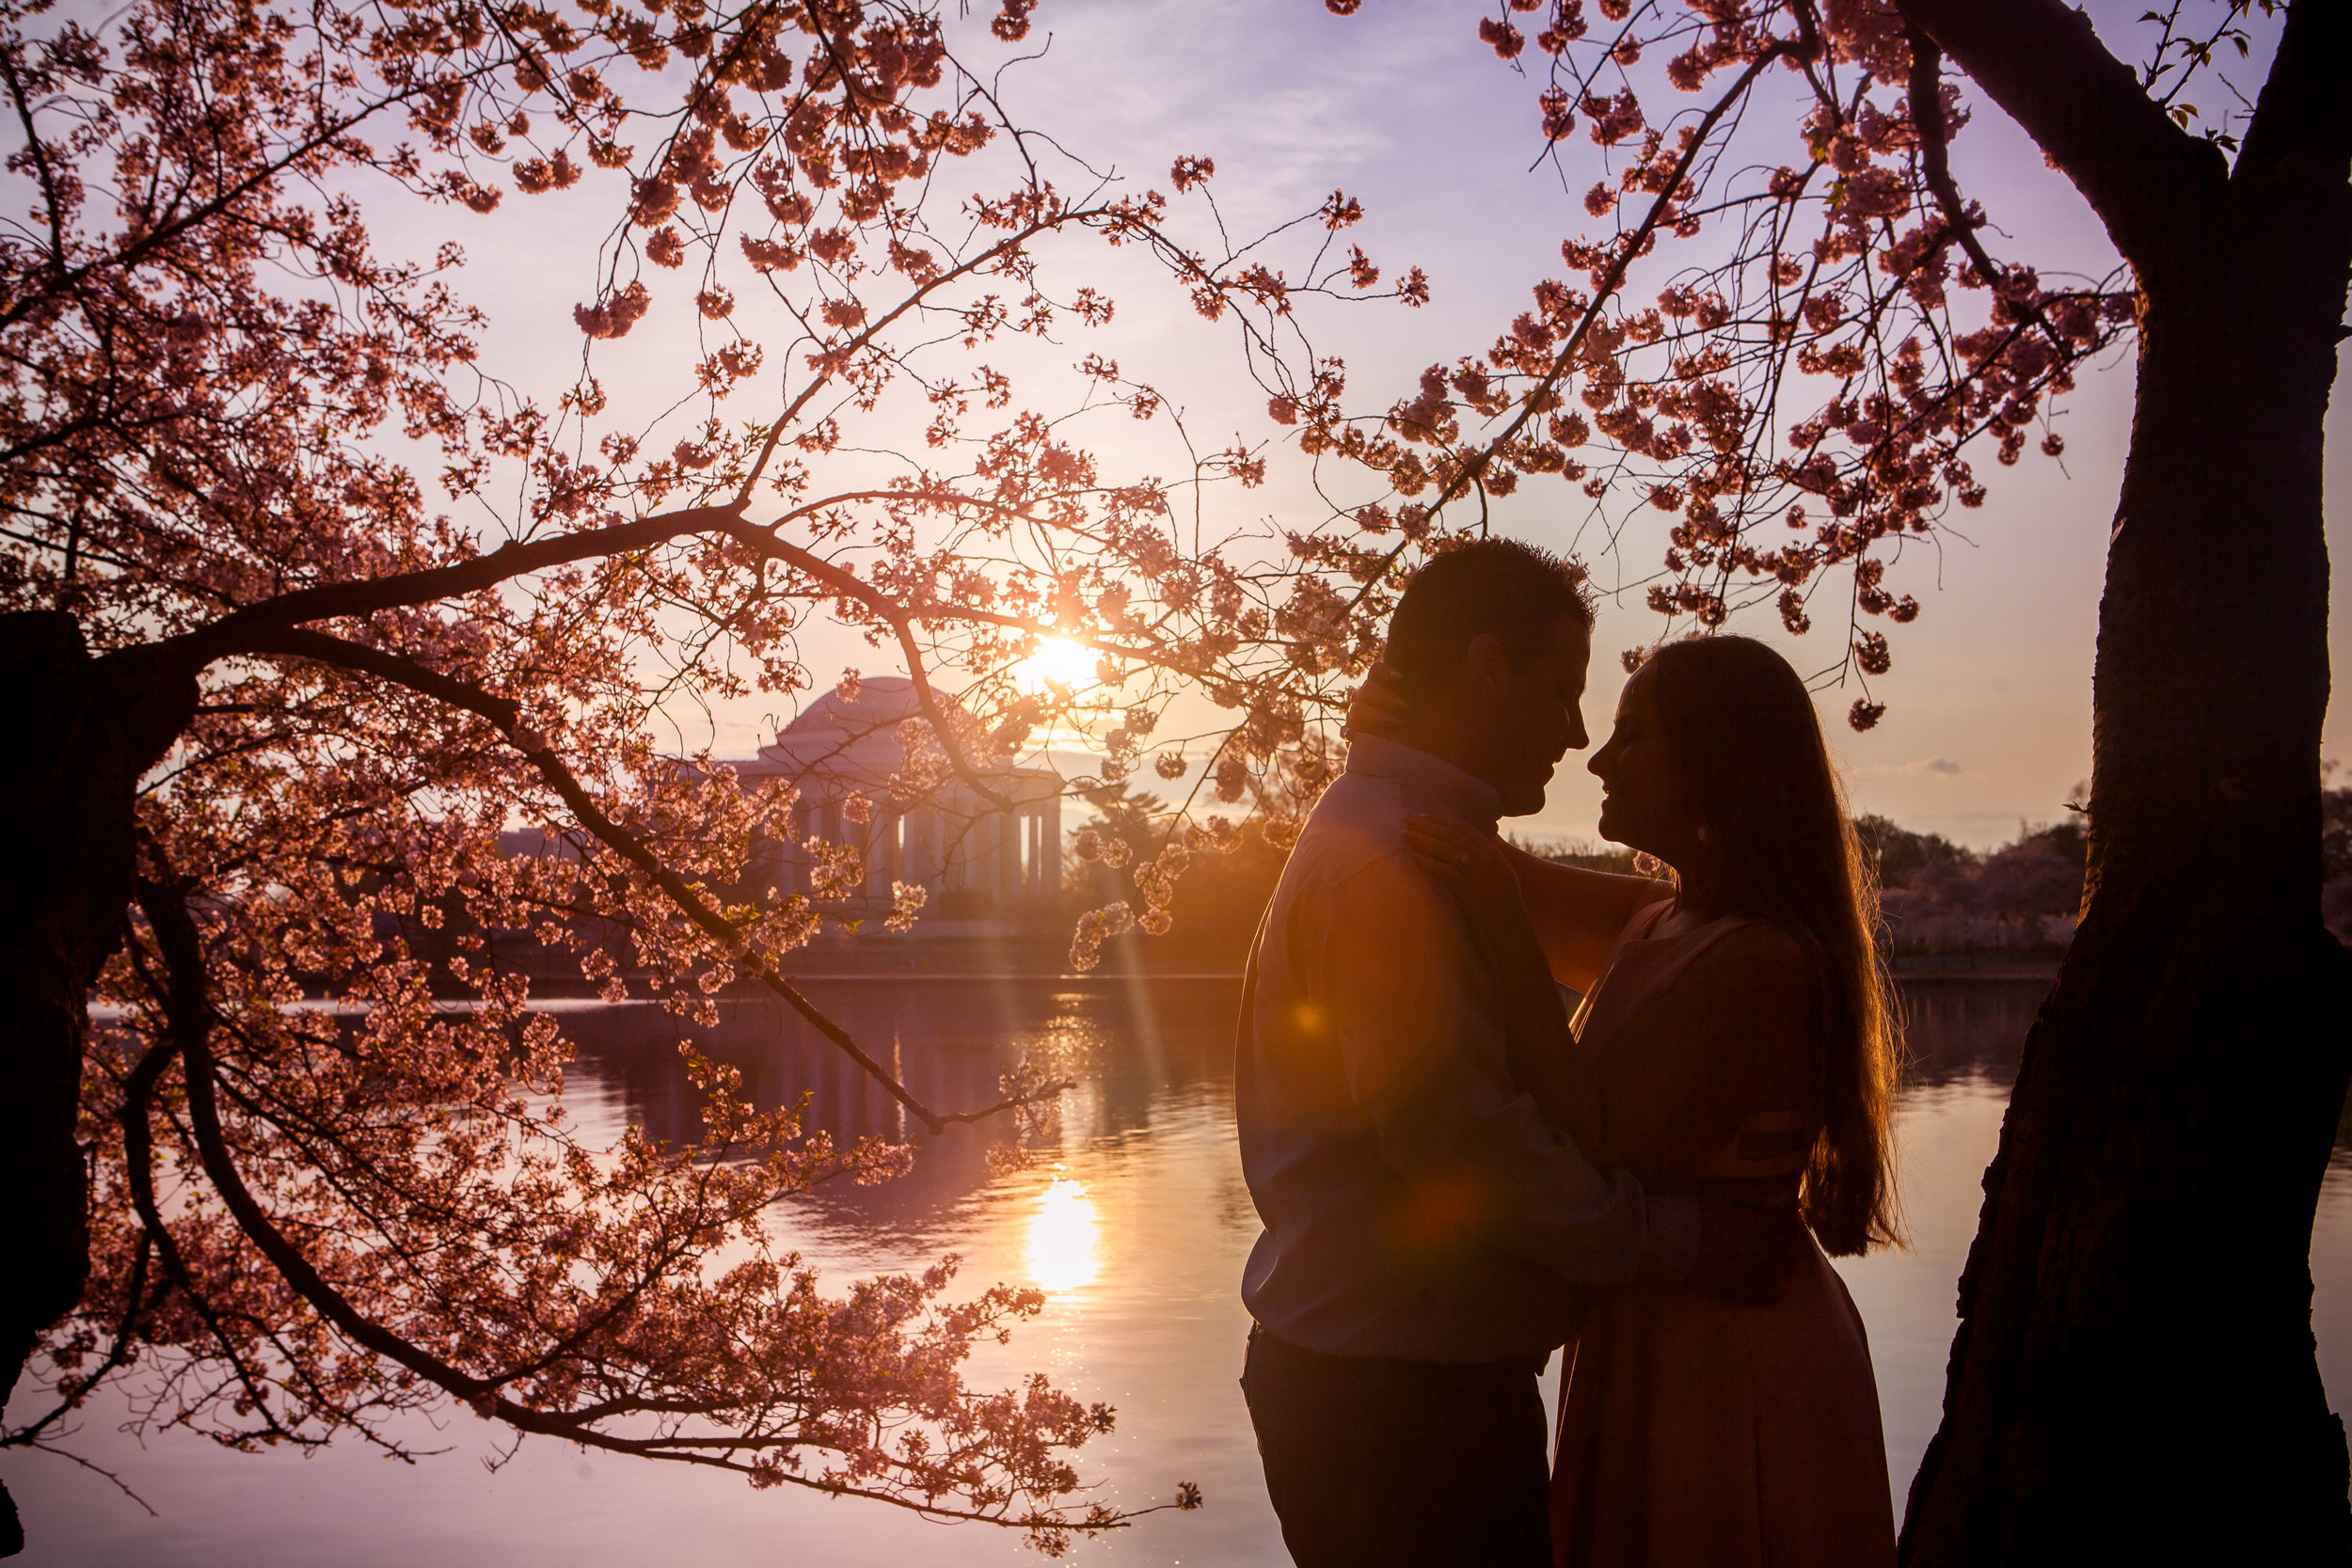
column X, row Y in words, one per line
column 2134, row 1377
column 79, row 732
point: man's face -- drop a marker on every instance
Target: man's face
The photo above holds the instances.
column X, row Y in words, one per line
column 1528, row 716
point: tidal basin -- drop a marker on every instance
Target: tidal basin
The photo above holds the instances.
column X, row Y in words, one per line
column 1136, row 1228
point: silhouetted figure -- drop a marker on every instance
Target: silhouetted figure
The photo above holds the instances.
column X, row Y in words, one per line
column 1736, row 1045
column 1428, row 1238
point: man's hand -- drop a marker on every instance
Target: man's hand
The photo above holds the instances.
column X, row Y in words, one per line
column 1746, row 1250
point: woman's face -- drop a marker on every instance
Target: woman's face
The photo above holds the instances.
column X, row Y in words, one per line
column 1642, row 798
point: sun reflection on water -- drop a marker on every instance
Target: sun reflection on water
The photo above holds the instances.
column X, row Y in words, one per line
column 1065, row 1237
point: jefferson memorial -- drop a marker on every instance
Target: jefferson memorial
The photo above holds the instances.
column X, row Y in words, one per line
column 977, row 859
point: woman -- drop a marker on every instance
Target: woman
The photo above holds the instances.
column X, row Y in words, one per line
column 1736, row 1037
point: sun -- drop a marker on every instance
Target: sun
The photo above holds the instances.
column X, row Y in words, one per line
column 1059, row 661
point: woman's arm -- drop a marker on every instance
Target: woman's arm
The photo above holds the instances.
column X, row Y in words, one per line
column 1577, row 913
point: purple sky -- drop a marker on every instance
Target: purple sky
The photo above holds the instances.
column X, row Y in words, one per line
column 1989, row 701
column 1988, row 711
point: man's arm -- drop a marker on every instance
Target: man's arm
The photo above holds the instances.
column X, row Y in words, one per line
column 1421, row 1039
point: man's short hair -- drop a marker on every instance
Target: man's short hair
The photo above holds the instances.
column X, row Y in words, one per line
column 1517, row 592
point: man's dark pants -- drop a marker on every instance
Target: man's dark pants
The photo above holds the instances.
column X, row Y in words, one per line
column 1377, row 1461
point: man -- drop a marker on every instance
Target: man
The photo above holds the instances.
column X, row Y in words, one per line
column 1427, row 1238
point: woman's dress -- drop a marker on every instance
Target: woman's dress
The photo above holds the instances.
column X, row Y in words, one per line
column 1695, row 1431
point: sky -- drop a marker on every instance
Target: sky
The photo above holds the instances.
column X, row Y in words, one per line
column 1988, row 722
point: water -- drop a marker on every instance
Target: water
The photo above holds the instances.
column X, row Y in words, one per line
column 1138, row 1237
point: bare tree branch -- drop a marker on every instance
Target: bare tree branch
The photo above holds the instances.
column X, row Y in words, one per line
column 2304, row 114
column 1936, row 161
column 2041, row 61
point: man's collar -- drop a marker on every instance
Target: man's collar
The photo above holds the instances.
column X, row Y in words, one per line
column 1472, row 799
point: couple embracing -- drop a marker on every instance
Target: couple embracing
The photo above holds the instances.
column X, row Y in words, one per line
column 1457, row 1179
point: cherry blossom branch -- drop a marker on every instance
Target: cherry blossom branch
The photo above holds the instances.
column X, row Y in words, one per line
column 51, row 202
column 246, row 629
column 849, row 585
column 139, row 1148
column 506, row 714
column 188, row 1020
column 1627, row 248
column 189, row 1024
column 78, row 1386
column 251, row 629
column 221, row 205
column 1009, row 245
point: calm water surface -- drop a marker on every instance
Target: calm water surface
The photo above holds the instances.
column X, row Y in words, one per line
column 1137, row 1236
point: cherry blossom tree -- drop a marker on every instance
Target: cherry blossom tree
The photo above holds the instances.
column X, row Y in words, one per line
column 306, row 603
column 1786, row 328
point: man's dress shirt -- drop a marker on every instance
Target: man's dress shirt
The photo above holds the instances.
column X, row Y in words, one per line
column 1415, row 1205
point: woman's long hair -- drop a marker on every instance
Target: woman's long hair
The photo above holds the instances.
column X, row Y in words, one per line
column 1748, row 750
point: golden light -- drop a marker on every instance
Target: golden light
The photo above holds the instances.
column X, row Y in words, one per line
column 1059, row 661
column 1064, row 1237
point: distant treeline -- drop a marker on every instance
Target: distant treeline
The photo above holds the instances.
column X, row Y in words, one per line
column 1218, row 900
column 1939, row 897
column 1936, row 896
column 2335, row 859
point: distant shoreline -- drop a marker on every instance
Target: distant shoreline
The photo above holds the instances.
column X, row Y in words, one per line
column 1931, row 966
column 1923, row 966
column 1927, row 967
column 1994, row 965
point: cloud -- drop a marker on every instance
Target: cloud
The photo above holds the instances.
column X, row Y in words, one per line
column 1944, row 766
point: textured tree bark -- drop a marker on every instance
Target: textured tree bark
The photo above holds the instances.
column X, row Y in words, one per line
column 79, row 732
column 2134, row 1375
